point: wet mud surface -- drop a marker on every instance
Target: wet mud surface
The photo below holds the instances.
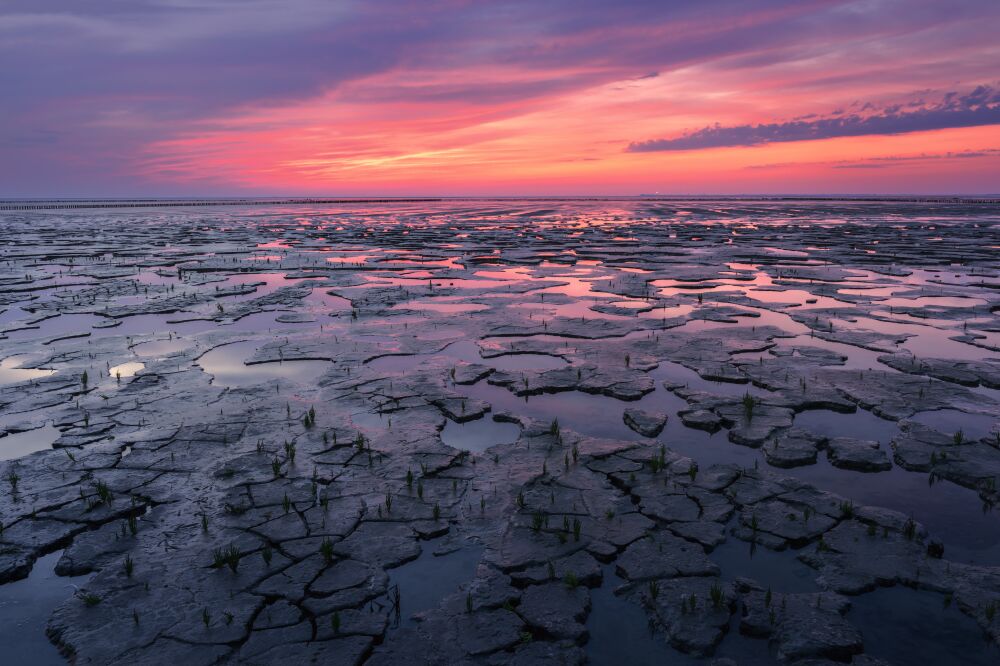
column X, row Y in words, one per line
column 502, row 432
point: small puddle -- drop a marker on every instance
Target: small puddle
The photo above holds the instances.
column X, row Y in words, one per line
column 22, row 443
column 479, row 435
column 780, row 571
column 25, row 606
column 161, row 347
column 516, row 362
column 10, row 373
column 227, row 365
column 950, row 421
column 426, row 581
column 441, row 308
column 125, row 369
column 63, row 324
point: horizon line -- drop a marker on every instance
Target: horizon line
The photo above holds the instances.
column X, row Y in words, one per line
column 16, row 205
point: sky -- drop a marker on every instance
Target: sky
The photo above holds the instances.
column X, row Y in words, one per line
column 134, row 98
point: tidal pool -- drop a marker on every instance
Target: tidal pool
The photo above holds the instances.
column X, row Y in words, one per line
column 15, row 445
column 478, row 435
column 228, row 365
column 10, row 373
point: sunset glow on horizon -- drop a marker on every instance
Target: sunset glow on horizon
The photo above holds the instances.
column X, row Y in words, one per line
column 213, row 97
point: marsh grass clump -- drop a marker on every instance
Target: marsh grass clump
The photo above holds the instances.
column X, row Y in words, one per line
column 13, row 478
column 847, row 509
column 537, row 520
column 335, row 622
column 571, row 580
column 228, row 556
column 89, row 599
column 716, row 595
column 909, row 529
column 104, row 492
column 326, row 550
column 232, row 556
column 749, row 402
column 276, row 467
column 654, row 589
column 958, row 437
column 267, row 554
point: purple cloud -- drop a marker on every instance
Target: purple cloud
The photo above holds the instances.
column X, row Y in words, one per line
column 979, row 107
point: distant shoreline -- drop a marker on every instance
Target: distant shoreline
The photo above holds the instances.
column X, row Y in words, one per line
column 57, row 204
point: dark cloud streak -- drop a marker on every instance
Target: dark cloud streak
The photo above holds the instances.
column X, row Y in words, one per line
column 979, row 107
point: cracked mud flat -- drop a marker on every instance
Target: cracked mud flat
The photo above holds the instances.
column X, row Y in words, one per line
column 501, row 432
